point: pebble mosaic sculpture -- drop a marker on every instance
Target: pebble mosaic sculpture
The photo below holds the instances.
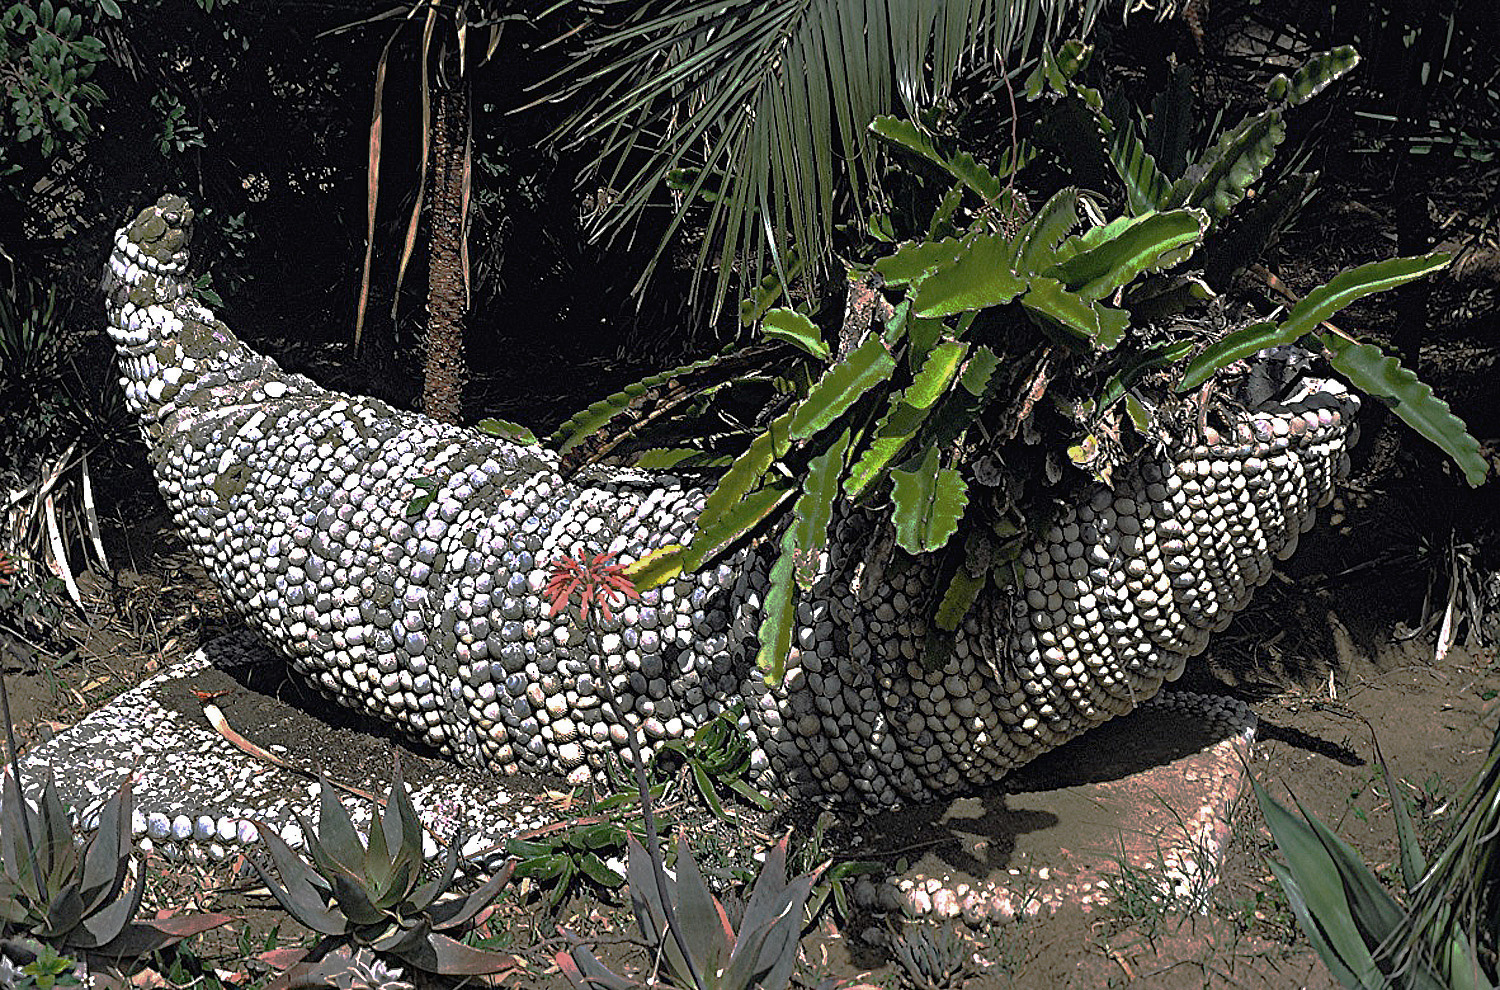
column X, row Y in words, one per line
column 297, row 501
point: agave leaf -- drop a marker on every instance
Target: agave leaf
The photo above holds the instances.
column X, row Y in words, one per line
column 906, row 411
column 378, row 859
column 455, row 912
column 1040, row 237
column 813, row 510
column 1378, row 374
column 1230, row 348
column 354, row 900
column 1318, row 881
column 778, row 613
column 1413, row 863
column 335, row 844
column 406, row 836
column 1297, row 901
column 17, row 822
column 397, row 938
column 506, row 430
column 1232, row 166
column 794, row 328
column 584, row 970
column 928, row 504
column 109, row 922
column 915, row 260
column 770, row 882
column 645, row 895
column 106, row 860
column 705, row 929
column 765, row 955
column 1079, row 319
column 64, row 911
column 979, row 277
column 141, row 938
column 1133, row 248
column 59, row 853
column 959, row 596
column 423, row 896
column 841, row 386
column 442, row 955
column 301, row 889
column 1313, row 77
column 1374, row 911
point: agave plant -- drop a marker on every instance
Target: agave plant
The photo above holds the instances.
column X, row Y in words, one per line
column 373, row 895
column 71, row 895
column 1448, row 935
column 706, row 953
column 930, row 417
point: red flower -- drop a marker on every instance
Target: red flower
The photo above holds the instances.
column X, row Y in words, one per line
column 599, row 580
column 8, row 569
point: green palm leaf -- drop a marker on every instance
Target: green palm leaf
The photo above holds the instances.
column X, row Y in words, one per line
column 765, row 106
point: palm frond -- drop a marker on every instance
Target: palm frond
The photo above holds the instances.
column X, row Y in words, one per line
column 764, row 106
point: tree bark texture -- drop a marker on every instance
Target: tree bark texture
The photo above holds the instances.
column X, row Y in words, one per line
column 445, row 370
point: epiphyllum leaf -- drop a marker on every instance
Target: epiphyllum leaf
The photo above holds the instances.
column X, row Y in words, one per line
column 1378, row 374
column 1144, row 243
column 1314, row 76
column 978, row 277
column 928, row 504
column 794, row 328
column 1317, row 306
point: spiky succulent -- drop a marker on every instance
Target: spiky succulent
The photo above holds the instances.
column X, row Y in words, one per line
column 372, row 894
column 73, row 895
column 932, row 957
column 707, row 953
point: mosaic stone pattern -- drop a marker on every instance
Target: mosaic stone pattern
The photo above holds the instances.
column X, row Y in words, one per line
column 296, row 500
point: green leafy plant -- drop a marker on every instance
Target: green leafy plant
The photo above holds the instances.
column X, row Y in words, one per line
column 932, row 957
column 372, row 893
column 560, row 859
column 706, row 952
column 1447, row 935
column 1010, row 322
column 73, row 896
column 715, row 756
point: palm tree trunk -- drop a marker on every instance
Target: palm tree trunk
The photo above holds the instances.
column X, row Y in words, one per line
column 445, row 369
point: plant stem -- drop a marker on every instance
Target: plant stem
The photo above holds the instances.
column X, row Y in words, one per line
column 653, row 845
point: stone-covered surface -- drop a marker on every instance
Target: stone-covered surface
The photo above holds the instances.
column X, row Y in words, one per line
column 198, row 796
column 398, row 564
column 1147, row 800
